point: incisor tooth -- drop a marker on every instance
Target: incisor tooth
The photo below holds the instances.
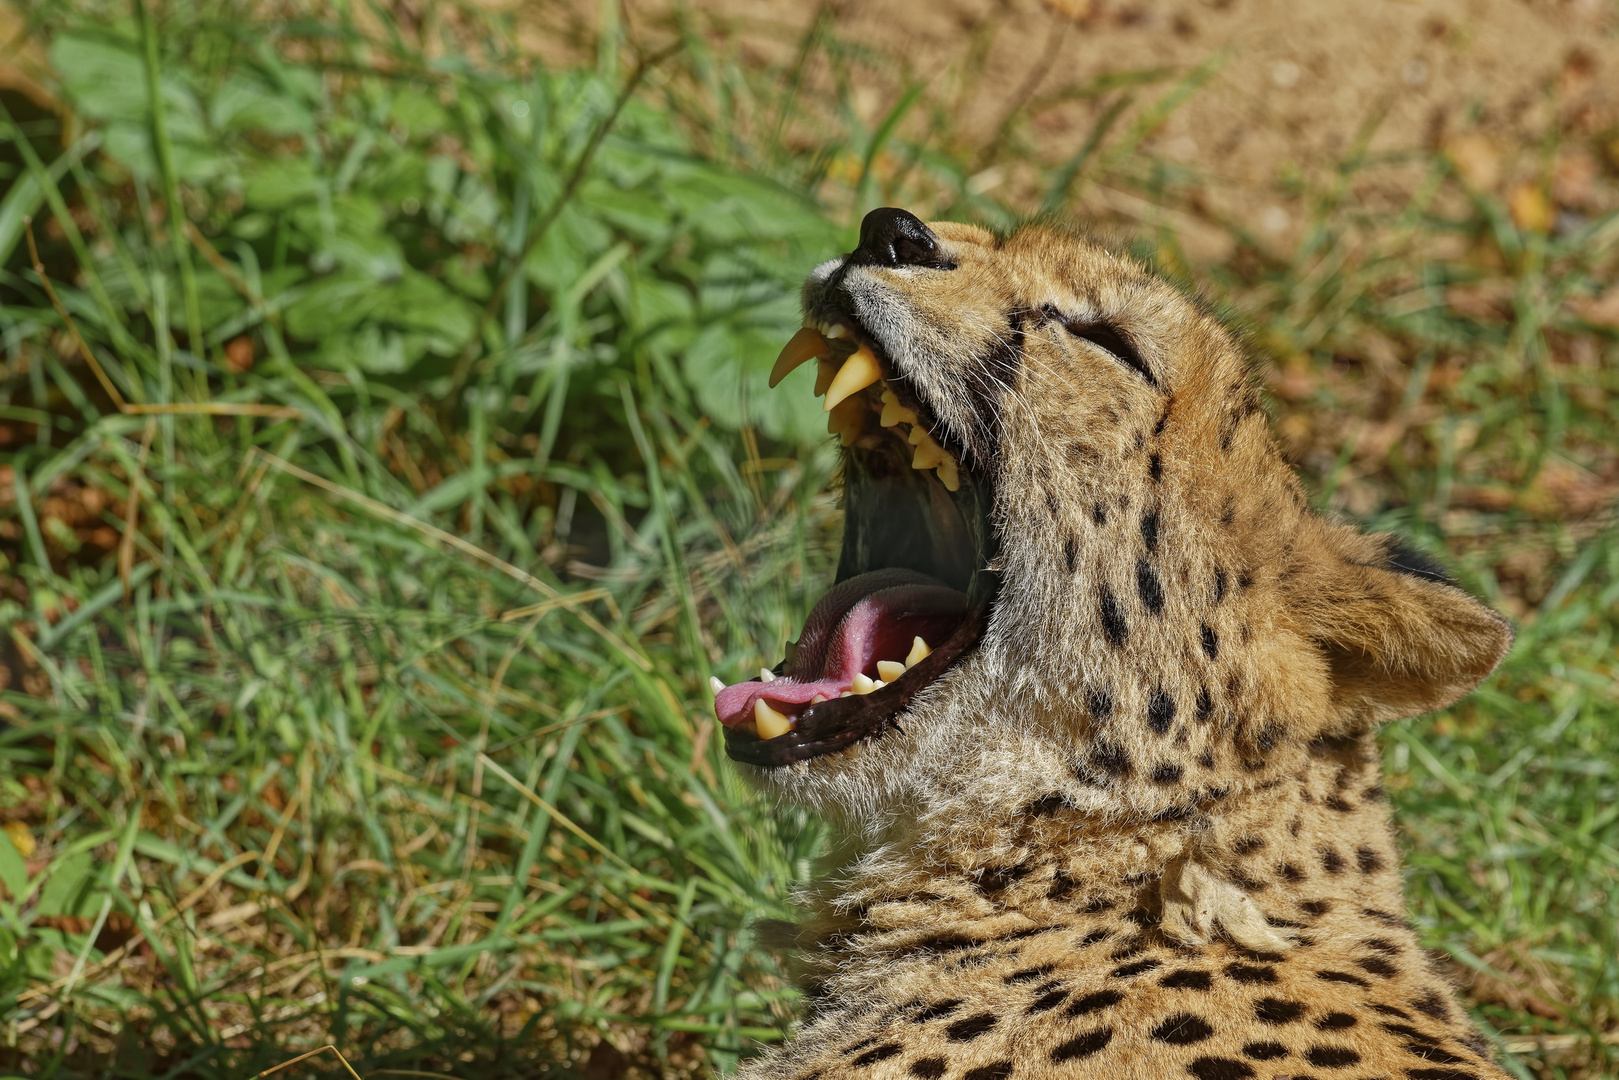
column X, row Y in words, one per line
column 715, row 685
column 861, row 684
column 847, row 421
column 817, row 699
column 766, row 675
column 768, row 722
column 919, row 652
column 890, row 669
column 857, row 373
column 806, row 343
column 949, row 475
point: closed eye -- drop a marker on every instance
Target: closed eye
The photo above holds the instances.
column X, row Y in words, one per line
column 1108, row 338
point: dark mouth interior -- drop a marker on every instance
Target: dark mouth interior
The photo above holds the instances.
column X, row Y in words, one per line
column 914, row 564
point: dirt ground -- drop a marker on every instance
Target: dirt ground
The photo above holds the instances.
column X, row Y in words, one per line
column 1296, row 81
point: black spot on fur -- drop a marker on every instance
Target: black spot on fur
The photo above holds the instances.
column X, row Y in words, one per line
column 1245, row 579
column 1155, row 467
column 996, row 1070
column 1100, row 702
column 1099, row 514
column 1046, row 805
column 1137, row 968
column 937, row 1011
column 1219, row 585
column 1127, row 949
column 1436, row 1054
column 1373, row 793
column 1265, row 1051
column 1383, row 916
column 1336, row 1021
column 1206, row 758
column 1370, row 861
column 1061, row 886
column 1187, row 980
column 946, row 943
column 997, row 878
column 1149, row 530
column 1211, row 642
column 1228, row 512
column 1248, row 884
column 929, row 1068
column 1205, row 705
column 1248, row 845
column 1102, row 999
column 1142, row 918
column 1030, row 974
column 1160, row 711
column 1289, row 872
column 1250, row 975
column 876, row 1054
column 1431, row 1004
column 1163, row 421
column 1440, row 1074
column 1149, row 588
column 1049, row 1001
column 1383, row 945
column 1404, row 559
column 970, row 1027
column 1390, row 1010
column 1070, row 554
column 1097, row 905
column 1331, row 1057
column 1093, row 937
column 1338, row 803
column 1111, row 759
column 1167, row 774
column 1406, row 1029
column 1342, row 977
column 1082, row 1046
column 1278, row 1011
column 1218, row 1068
column 1051, row 504
column 1317, row 908
column 1182, row 1029
column 1331, row 861
column 1114, row 628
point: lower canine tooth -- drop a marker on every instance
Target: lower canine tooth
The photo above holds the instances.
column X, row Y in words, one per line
column 890, row 670
column 847, row 421
column 768, row 722
column 861, row 684
column 806, row 343
column 766, row 675
column 919, row 652
column 857, row 373
column 715, row 685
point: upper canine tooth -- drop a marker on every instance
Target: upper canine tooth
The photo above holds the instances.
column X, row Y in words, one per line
column 890, row 670
column 768, row 722
column 766, row 675
column 806, row 343
column 847, row 421
column 715, row 685
column 857, row 373
column 949, row 475
column 862, row 683
column 919, row 652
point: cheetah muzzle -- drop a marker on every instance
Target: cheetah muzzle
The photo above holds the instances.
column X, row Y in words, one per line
column 1091, row 706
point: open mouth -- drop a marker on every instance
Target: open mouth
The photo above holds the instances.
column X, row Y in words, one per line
column 913, row 588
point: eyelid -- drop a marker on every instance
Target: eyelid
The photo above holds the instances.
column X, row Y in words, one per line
column 1109, row 338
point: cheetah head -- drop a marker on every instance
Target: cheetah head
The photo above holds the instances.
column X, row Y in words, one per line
column 1073, row 557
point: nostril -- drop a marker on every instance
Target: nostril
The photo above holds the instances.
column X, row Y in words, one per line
column 895, row 237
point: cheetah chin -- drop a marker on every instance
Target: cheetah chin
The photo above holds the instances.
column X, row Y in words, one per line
column 1092, row 706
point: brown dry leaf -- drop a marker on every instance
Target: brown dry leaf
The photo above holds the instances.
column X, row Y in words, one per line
column 1600, row 310
column 1531, row 210
column 1476, row 157
column 239, row 354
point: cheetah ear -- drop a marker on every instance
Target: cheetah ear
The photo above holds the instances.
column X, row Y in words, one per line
column 1398, row 637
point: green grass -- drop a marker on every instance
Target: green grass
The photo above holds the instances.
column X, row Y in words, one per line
column 369, row 708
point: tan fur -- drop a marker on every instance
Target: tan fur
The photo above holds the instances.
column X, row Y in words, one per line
column 1159, row 852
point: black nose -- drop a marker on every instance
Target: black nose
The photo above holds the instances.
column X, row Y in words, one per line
column 894, row 237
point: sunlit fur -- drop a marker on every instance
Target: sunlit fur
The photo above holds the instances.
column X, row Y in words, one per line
column 1165, row 734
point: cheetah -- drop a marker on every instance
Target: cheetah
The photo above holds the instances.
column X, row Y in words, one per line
column 1092, row 705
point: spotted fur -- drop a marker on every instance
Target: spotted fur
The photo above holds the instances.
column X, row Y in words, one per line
column 1140, row 831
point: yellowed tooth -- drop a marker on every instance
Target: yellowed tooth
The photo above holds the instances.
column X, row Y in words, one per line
column 768, row 722
column 894, row 412
column 890, row 670
column 857, row 373
column 949, row 475
column 825, row 372
column 806, row 343
column 847, row 421
column 929, row 455
column 817, row 699
column 919, row 652
column 861, row 683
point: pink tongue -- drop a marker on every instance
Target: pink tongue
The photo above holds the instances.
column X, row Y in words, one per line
column 863, row 620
